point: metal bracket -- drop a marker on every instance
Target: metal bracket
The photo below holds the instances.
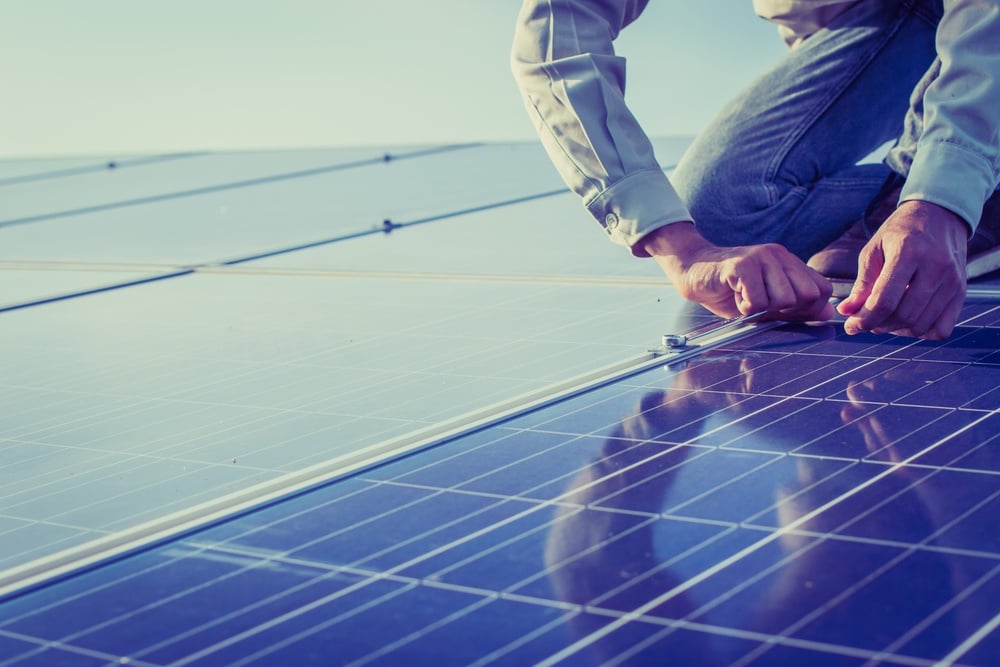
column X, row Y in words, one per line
column 677, row 342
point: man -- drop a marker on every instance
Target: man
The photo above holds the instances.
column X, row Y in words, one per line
column 774, row 181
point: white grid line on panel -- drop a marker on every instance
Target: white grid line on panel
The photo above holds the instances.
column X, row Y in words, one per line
column 731, row 560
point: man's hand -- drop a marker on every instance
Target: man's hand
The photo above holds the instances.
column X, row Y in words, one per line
column 739, row 280
column 911, row 275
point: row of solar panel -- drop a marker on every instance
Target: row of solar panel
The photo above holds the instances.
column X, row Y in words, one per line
column 129, row 404
column 801, row 498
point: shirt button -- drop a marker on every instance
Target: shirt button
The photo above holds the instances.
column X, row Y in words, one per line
column 611, row 221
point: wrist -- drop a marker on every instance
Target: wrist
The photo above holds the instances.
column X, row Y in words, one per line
column 933, row 215
column 674, row 240
column 675, row 246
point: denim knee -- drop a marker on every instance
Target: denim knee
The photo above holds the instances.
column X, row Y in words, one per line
column 728, row 208
column 743, row 210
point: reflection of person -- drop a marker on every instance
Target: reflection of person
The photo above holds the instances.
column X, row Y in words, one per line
column 823, row 580
column 774, row 180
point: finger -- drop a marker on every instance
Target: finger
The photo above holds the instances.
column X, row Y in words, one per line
column 812, row 295
column 945, row 323
column 870, row 265
column 932, row 301
column 819, row 312
column 937, row 319
column 780, row 292
column 918, row 299
column 884, row 298
column 919, row 314
column 747, row 283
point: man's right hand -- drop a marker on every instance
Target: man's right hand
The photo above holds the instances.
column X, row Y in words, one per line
column 740, row 280
column 911, row 278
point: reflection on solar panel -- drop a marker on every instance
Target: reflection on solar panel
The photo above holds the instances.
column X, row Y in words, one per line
column 540, row 489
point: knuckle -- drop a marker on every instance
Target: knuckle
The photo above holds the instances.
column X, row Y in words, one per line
column 774, row 249
column 813, row 293
column 880, row 309
column 891, row 326
column 754, row 302
column 942, row 266
column 807, row 290
column 783, row 302
column 741, row 264
column 907, row 253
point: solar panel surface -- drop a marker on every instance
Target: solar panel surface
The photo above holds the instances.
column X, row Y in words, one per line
column 132, row 403
column 794, row 497
column 802, row 497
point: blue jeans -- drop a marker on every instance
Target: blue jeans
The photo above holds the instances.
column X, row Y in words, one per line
column 780, row 162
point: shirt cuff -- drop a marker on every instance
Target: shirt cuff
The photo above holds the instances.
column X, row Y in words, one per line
column 951, row 176
column 637, row 205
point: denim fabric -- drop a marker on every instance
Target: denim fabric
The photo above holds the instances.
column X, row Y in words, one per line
column 779, row 163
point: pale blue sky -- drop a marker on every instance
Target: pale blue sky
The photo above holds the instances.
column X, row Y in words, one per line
column 135, row 76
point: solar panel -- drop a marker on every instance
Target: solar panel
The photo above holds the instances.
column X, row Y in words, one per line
column 501, row 234
column 20, row 285
column 538, row 489
column 24, row 170
column 205, row 383
column 688, row 512
column 107, row 187
column 131, row 404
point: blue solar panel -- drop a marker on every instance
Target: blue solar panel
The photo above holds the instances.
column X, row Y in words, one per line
column 130, row 400
column 21, row 286
column 151, row 180
column 798, row 497
column 19, row 171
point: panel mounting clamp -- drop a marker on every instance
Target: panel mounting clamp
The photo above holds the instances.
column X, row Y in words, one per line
column 677, row 342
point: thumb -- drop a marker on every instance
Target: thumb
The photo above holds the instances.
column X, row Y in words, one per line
column 870, row 266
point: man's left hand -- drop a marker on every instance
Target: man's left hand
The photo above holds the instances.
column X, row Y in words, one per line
column 911, row 275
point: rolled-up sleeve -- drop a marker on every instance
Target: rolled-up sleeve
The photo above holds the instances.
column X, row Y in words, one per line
column 957, row 161
column 573, row 85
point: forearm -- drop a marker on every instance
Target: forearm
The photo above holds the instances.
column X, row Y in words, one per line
column 675, row 247
column 573, row 87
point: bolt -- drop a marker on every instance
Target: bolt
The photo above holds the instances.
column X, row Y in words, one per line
column 674, row 340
